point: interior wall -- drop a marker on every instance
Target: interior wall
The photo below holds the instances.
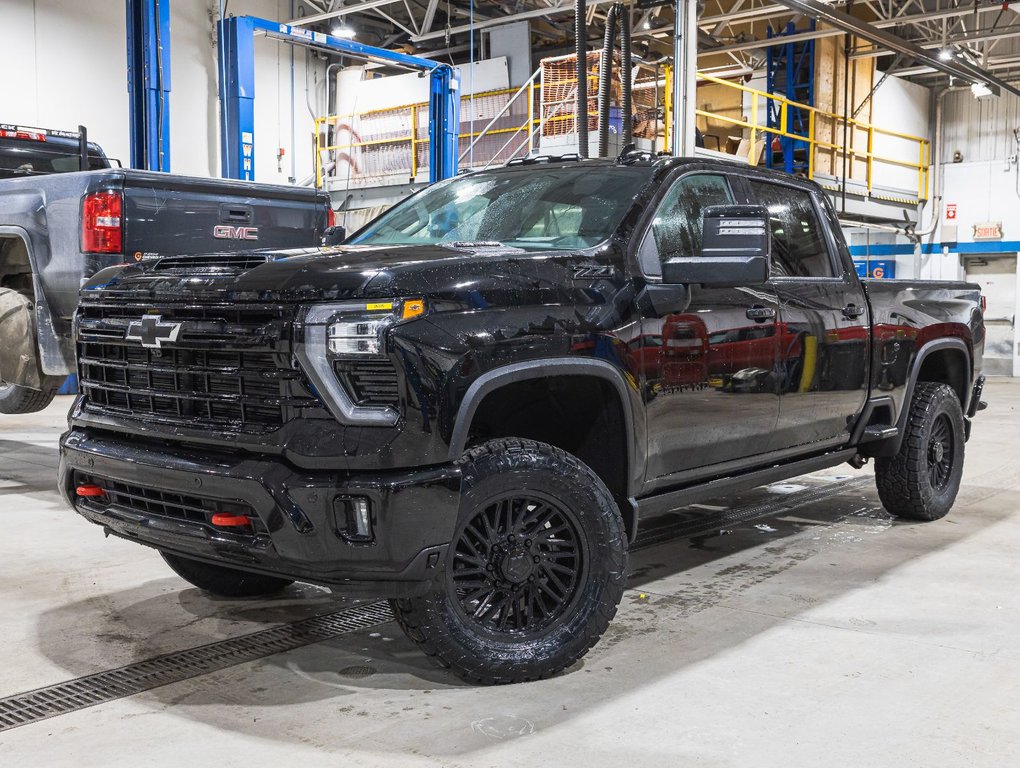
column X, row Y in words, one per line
column 73, row 70
column 979, row 129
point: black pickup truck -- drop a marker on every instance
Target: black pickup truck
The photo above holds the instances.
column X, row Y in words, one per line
column 471, row 405
column 65, row 214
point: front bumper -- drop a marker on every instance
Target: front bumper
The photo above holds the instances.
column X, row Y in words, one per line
column 295, row 534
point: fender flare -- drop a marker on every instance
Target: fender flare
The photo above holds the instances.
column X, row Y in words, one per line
column 48, row 344
column 939, row 345
column 492, row 380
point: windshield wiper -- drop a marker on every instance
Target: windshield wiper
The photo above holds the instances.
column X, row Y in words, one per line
column 475, row 244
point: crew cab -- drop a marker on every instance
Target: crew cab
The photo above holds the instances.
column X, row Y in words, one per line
column 447, row 409
column 66, row 213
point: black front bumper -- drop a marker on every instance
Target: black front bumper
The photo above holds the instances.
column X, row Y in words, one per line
column 413, row 513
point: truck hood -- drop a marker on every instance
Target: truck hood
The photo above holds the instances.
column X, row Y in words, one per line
column 497, row 273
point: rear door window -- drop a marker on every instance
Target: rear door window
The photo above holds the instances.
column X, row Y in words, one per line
column 799, row 245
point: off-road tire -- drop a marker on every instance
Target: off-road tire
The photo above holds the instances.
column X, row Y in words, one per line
column 508, row 474
column 17, row 308
column 225, row 582
column 911, row 484
column 17, row 399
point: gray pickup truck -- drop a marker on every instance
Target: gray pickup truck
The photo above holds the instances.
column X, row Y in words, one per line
column 66, row 213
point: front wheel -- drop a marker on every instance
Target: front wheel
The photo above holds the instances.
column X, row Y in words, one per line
column 534, row 573
column 226, row 582
column 921, row 481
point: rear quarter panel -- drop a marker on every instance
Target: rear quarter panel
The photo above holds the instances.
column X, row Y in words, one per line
column 909, row 315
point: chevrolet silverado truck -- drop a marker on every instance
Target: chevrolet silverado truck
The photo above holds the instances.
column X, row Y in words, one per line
column 446, row 409
column 65, row 214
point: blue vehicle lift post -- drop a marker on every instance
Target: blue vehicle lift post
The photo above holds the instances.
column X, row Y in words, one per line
column 148, row 57
column 237, row 91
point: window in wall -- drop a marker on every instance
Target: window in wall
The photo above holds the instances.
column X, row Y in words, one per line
column 799, row 248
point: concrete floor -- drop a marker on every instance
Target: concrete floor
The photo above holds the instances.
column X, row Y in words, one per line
column 824, row 635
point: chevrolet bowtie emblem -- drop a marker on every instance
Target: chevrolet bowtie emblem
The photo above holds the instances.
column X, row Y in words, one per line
column 151, row 331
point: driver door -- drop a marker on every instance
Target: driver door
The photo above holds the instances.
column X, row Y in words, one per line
column 710, row 392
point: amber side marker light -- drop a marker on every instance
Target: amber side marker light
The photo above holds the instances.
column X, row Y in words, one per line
column 413, row 308
column 89, row 491
column 227, row 520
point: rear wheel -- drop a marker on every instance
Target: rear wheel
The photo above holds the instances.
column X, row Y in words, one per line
column 921, row 481
column 17, row 324
column 534, row 573
column 226, row 582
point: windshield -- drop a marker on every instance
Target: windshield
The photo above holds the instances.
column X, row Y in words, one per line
column 535, row 208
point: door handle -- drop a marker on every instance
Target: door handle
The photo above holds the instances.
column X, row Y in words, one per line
column 760, row 314
column 852, row 311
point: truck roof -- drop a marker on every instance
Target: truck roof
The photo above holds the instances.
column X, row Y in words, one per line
column 662, row 162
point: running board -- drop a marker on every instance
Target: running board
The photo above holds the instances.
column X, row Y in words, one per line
column 649, row 506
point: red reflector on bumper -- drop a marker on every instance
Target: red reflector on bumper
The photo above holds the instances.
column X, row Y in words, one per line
column 226, row 520
column 89, row 491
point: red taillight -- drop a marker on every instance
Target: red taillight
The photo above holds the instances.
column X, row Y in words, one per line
column 30, row 135
column 984, row 303
column 330, row 217
column 227, row 520
column 89, row 491
column 101, row 223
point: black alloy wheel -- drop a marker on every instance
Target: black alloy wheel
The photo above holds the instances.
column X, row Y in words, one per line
column 517, row 564
column 940, row 453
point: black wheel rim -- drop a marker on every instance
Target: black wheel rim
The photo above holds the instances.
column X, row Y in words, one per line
column 517, row 565
column 940, row 452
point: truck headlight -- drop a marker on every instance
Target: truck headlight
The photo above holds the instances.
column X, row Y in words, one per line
column 361, row 329
column 351, row 331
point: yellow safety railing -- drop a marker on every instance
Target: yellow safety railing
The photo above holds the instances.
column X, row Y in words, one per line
column 755, row 126
column 416, row 135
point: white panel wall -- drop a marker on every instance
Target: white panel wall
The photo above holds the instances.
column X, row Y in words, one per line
column 65, row 63
column 980, row 130
column 903, row 107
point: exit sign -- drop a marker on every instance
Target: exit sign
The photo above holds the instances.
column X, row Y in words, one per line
column 989, row 230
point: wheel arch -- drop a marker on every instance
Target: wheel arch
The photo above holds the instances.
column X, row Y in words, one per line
column 504, row 378
column 48, row 345
column 944, row 361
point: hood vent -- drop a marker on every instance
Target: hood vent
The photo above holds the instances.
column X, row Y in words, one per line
column 212, row 263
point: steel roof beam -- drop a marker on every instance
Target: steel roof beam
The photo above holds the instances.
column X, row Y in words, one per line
column 866, row 31
column 980, row 36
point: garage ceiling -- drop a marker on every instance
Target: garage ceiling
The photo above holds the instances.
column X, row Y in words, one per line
column 983, row 34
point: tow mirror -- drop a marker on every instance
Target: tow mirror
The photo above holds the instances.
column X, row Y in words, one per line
column 735, row 251
column 334, row 235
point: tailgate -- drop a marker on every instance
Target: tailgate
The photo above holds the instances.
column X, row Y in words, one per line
column 167, row 215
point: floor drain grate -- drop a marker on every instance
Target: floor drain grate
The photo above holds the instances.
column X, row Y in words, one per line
column 66, row 697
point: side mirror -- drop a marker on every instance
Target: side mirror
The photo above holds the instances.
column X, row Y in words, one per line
column 735, row 251
column 334, row 235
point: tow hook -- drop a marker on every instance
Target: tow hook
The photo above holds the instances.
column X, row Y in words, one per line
column 857, row 461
